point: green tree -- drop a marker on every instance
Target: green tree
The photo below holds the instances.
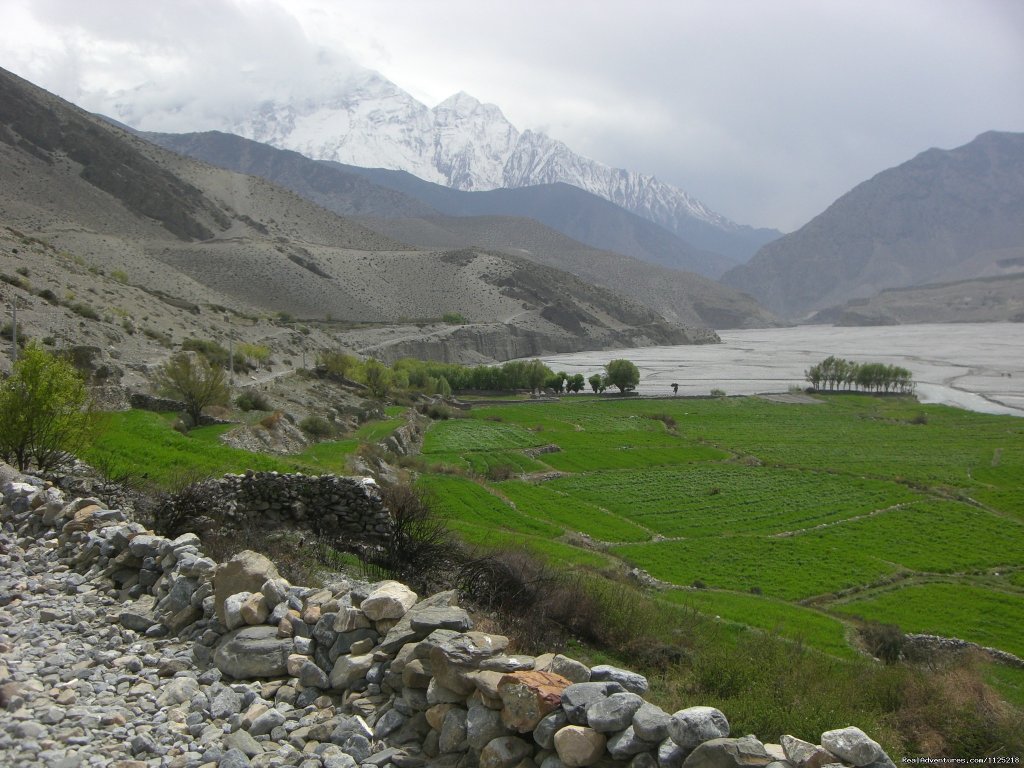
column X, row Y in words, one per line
column 575, row 383
column 191, row 379
column 536, row 374
column 623, row 374
column 337, row 364
column 377, row 378
column 45, row 411
column 597, row 383
column 556, row 382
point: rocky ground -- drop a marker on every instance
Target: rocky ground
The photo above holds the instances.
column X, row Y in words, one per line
column 127, row 649
column 77, row 688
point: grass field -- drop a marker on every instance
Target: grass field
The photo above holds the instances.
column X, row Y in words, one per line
column 983, row 616
column 797, row 503
column 797, row 523
column 143, row 444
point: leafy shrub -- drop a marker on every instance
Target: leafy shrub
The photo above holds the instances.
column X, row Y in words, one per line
column 317, row 427
column 716, row 392
column 454, row 318
column 252, row 400
column 436, row 411
column 622, row 374
column 84, row 310
column 216, row 354
column 194, row 381
column 499, row 472
column 48, row 296
column 45, row 411
column 883, row 641
column 158, row 336
column 666, row 419
column 336, row 364
column 419, row 549
column 7, row 333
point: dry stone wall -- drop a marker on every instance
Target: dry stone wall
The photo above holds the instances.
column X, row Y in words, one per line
column 348, row 507
column 363, row 674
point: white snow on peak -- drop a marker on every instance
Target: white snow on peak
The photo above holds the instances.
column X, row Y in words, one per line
column 366, row 120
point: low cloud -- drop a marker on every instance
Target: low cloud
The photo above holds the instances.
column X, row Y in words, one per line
column 766, row 111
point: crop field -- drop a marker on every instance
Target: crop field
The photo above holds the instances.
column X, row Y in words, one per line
column 720, row 499
column 143, row 443
column 546, row 503
column 790, row 621
column 791, row 568
column 971, row 613
column 798, row 518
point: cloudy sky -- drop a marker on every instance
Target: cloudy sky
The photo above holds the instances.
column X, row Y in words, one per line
column 766, row 110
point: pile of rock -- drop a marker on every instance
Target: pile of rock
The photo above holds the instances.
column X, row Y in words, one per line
column 166, row 646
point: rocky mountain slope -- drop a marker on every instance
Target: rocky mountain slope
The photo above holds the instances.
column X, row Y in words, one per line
column 984, row 300
column 942, row 216
column 344, row 189
column 683, row 297
column 368, row 121
column 111, row 241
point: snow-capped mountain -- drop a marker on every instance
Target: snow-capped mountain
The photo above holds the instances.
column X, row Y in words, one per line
column 467, row 145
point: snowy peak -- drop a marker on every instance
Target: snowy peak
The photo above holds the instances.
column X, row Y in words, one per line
column 469, row 145
column 472, row 142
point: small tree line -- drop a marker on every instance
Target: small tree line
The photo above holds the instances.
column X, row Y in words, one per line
column 834, row 373
column 431, row 377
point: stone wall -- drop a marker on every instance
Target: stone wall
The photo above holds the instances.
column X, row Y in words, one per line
column 930, row 646
column 373, row 675
column 334, row 505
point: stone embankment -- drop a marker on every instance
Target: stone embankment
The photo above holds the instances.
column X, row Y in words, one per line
column 123, row 648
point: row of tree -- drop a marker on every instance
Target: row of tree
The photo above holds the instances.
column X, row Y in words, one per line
column 836, row 373
column 433, row 377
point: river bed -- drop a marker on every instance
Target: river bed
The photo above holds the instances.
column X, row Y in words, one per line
column 979, row 366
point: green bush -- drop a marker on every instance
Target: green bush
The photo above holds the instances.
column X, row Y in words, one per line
column 317, row 427
column 45, row 411
column 252, row 400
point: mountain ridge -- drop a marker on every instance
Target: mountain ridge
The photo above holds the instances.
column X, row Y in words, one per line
column 682, row 297
column 570, row 210
column 234, row 252
column 944, row 215
column 368, row 121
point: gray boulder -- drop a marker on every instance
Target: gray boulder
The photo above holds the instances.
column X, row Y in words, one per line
column 579, row 697
column 631, row 681
column 853, row 746
column 626, row 744
column 251, row 652
column 614, row 713
column 505, row 752
column 651, row 722
column 745, row 752
column 695, row 725
column 247, row 571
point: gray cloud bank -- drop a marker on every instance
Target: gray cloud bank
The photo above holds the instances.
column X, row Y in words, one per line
column 766, row 111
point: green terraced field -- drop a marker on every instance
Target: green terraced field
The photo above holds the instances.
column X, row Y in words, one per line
column 547, row 503
column 791, row 568
column 796, row 623
column 971, row 613
column 738, row 493
column 723, row 499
